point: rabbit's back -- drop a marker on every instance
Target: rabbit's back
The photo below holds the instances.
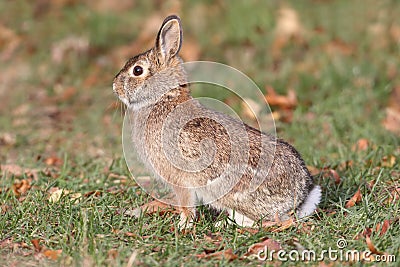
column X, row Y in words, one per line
column 203, row 143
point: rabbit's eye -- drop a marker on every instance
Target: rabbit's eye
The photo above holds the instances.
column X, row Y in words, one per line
column 137, row 70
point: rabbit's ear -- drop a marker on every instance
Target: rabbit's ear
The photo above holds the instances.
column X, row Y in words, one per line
column 169, row 38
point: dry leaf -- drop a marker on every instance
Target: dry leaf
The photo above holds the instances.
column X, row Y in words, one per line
column 264, row 246
column 56, row 195
column 313, row 170
column 284, row 225
column 388, row 161
column 157, row 206
column 250, row 230
column 52, row 254
column 53, row 161
column 224, row 254
column 394, row 195
column 35, row 243
column 130, row 234
column 95, row 193
column 285, row 102
column 21, row 187
column 367, row 232
column 371, row 246
column 333, row 174
column 213, row 237
column 385, row 227
column 361, row 145
column 18, row 171
column 277, row 225
column 392, row 120
column 356, row 198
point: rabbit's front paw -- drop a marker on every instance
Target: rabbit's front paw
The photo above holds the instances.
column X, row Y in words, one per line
column 186, row 219
column 240, row 219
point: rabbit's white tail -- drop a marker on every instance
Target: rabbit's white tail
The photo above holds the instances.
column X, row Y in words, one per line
column 311, row 202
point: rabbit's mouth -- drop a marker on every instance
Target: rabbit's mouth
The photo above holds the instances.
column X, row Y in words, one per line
column 117, row 92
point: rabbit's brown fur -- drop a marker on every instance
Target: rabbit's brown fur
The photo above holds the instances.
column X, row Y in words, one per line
column 162, row 92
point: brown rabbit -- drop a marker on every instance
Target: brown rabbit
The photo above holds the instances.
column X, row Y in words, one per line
column 203, row 155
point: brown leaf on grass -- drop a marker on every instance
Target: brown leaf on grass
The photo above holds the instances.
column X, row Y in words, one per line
column 371, row 246
column 8, row 243
column 285, row 104
column 356, row 198
column 48, row 253
column 345, row 165
column 288, row 101
column 52, row 254
column 156, row 206
column 36, row 245
column 392, row 120
column 313, row 170
column 267, row 244
column 277, row 225
column 250, row 230
column 213, row 237
column 380, row 228
column 18, row 171
column 394, row 195
column 4, row 208
column 56, row 195
column 95, row 193
column 371, row 184
column 130, row 234
column 361, row 145
column 367, row 232
column 331, row 173
column 53, row 161
column 224, row 254
column 388, row 161
column 20, row 188
column 306, row 227
column 385, row 227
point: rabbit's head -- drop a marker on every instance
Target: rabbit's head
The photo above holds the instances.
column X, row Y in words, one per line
column 148, row 76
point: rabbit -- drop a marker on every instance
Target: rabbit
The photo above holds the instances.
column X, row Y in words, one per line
column 167, row 119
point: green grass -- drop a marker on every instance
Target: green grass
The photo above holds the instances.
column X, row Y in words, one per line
column 342, row 99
